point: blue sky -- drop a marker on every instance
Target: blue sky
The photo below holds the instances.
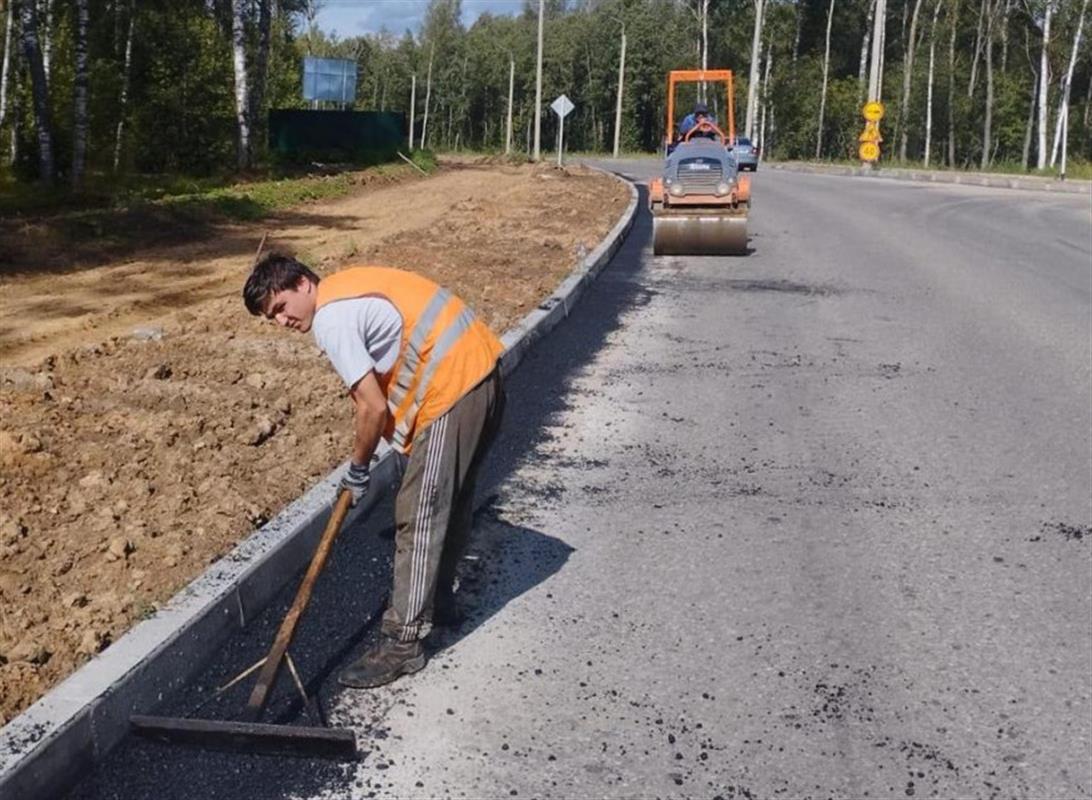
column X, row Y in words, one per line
column 356, row 17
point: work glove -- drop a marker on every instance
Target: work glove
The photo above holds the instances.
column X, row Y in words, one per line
column 356, row 480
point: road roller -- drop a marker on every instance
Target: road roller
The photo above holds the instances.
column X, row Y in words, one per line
column 700, row 204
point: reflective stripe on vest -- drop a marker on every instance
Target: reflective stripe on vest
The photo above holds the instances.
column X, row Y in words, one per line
column 460, row 325
column 412, row 359
column 444, row 350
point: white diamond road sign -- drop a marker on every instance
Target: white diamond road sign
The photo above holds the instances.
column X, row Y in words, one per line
column 562, row 106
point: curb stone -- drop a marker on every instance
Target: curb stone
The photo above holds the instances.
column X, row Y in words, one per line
column 995, row 180
column 67, row 731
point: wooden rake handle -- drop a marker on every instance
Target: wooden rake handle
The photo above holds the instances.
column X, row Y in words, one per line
column 259, row 696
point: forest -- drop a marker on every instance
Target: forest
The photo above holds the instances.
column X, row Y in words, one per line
column 128, row 87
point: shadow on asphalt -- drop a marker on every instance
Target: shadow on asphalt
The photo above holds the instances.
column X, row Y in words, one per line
column 343, row 617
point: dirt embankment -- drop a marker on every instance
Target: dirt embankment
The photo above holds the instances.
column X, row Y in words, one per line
column 147, row 423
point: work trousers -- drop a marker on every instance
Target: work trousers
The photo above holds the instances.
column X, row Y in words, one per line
column 434, row 509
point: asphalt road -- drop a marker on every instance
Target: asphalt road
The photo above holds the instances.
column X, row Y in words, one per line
column 812, row 522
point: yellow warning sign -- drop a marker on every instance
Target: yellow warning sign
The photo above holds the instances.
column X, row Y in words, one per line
column 873, row 111
column 869, row 151
column 871, row 132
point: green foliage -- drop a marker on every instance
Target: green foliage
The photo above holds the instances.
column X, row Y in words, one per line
column 180, row 117
column 425, row 159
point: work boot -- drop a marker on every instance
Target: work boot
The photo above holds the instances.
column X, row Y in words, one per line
column 387, row 660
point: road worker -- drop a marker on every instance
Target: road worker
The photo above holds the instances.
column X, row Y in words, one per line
column 699, row 115
column 423, row 372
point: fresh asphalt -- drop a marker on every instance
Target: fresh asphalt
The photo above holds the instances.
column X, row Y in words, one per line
column 811, row 522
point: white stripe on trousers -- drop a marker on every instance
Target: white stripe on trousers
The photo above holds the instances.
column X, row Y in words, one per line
column 422, row 533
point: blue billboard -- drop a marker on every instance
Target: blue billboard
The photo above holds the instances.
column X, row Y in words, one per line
column 329, row 79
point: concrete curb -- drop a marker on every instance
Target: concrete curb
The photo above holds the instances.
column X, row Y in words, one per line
column 995, row 180
column 47, row 747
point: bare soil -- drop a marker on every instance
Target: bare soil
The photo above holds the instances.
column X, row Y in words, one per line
column 148, row 423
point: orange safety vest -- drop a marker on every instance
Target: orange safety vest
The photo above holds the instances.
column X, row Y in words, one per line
column 446, row 351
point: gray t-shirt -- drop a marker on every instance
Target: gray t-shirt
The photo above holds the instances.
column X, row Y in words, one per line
column 358, row 335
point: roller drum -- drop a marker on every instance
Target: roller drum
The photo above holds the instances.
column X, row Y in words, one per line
column 699, row 235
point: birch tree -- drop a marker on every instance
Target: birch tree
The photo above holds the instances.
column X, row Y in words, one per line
column 700, row 10
column 1044, row 84
column 1067, row 82
column 862, row 65
column 987, row 117
column 798, row 19
column 428, row 96
column 1005, row 35
column 1087, row 103
column 80, row 91
column 511, row 93
column 752, row 83
column 242, row 86
column 823, row 90
column 5, row 68
column 907, row 78
column 1029, row 126
column 261, row 71
column 123, row 99
column 43, row 117
column 45, row 34
column 973, row 82
column 765, row 96
column 929, row 84
column 954, row 20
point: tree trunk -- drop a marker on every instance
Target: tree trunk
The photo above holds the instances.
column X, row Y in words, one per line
column 412, row 108
column 752, row 84
column 798, row 15
column 862, row 67
column 428, row 96
column 823, row 91
column 929, row 90
column 765, row 96
column 13, row 147
column 6, row 67
column 987, row 120
column 242, row 87
column 907, row 81
column 618, row 105
column 123, row 101
column 1044, row 78
column 1026, row 158
column 954, row 25
column 1087, row 104
column 511, row 92
column 43, row 117
column 46, row 35
column 883, row 49
column 875, row 67
column 538, row 84
column 977, row 49
column 80, row 92
column 261, row 73
column 704, row 43
column 1067, row 82
column 1005, row 37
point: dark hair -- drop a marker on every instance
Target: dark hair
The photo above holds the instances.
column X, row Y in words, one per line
column 274, row 273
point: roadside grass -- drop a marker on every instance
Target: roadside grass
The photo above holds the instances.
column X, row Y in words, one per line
column 227, row 195
column 111, row 216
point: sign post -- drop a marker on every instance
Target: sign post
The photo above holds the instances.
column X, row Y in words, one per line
column 561, row 106
column 869, row 150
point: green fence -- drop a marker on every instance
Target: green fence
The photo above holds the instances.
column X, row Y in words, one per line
column 368, row 137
